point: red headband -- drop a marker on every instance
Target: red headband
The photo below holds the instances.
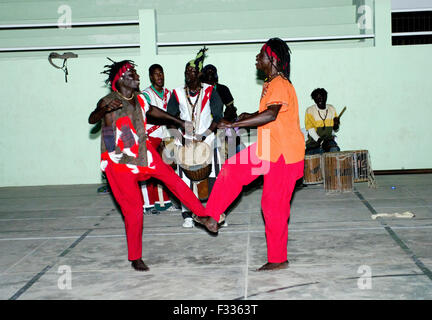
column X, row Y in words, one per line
column 270, row 52
column 122, row 70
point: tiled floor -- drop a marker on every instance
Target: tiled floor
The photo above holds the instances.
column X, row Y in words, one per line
column 68, row 242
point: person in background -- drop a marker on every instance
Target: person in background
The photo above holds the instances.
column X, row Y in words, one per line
column 155, row 196
column 232, row 138
column 210, row 76
column 321, row 123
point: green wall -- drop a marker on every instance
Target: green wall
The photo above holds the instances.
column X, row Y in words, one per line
column 47, row 140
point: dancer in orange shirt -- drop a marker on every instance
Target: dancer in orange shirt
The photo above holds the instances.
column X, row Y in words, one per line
column 278, row 155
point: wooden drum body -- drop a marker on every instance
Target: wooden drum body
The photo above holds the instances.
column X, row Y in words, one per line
column 195, row 160
column 338, row 171
column 313, row 169
column 360, row 165
column 202, row 189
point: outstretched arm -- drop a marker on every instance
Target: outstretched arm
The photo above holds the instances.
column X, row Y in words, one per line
column 255, row 119
column 157, row 113
column 103, row 108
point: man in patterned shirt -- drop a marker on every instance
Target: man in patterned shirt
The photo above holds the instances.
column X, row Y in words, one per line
column 127, row 156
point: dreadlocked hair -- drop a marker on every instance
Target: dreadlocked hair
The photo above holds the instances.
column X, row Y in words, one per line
column 283, row 52
column 112, row 69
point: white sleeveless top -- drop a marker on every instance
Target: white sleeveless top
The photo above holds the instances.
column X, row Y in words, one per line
column 157, row 131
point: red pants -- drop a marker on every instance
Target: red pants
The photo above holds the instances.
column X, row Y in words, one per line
column 127, row 193
column 279, row 183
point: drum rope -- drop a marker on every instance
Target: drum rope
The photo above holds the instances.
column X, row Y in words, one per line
column 371, row 177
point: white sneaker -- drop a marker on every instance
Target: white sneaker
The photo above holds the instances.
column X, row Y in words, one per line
column 188, row 223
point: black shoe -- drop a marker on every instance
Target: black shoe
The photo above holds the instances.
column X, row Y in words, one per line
column 149, row 211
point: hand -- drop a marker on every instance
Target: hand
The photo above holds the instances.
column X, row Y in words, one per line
column 200, row 137
column 244, row 115
column 115, row 157
column 113, row 105
column 326, row 144
column 336, row 122
column 224, row 124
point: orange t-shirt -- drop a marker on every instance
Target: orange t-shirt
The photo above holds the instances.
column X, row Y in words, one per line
column 283, row 135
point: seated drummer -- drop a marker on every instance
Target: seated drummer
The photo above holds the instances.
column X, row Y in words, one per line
column 321, row 121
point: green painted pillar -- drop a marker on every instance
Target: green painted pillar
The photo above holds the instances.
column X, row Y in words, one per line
column 383, row 27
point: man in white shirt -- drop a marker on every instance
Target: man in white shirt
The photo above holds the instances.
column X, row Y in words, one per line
column 155, row 197
column 200, row 103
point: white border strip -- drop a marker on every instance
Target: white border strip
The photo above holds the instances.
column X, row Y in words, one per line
column 101, row 46
column 191, row 43
column 411, row 34
column 411, row 10
column 252, row 41
column 76, row 24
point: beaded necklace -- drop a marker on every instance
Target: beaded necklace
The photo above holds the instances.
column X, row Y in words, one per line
column 271, row 77
column 325, row 117
column 193, row 105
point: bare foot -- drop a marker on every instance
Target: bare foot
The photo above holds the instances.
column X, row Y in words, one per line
column 139, row 265
column 273, row 266
column 210, row 223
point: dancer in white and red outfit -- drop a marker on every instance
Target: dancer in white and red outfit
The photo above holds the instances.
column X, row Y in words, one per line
column 199, row 103
column 127, row 157
column 155, row 197
column 278, row 155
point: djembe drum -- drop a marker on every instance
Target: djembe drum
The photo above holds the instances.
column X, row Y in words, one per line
column 195, row 161
column 338, row 171
column 313, row 169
